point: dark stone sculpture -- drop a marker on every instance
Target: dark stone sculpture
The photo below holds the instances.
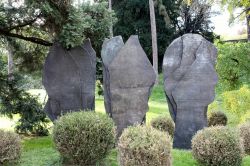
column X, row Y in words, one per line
column 69, row 79
column 189, row 81
column 128, row 80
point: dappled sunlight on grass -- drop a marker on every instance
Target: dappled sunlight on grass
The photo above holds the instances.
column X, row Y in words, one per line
column 155, row 109
column 7, row 123
column 99, row 105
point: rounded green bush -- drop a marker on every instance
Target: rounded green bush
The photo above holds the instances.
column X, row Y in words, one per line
column 164, row 124
column 84, row 138
column 10, row 146
column 142, row 145
column 245, row 135
column 217, row 146
column 217, row 118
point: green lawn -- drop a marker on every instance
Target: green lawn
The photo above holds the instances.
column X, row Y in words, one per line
column 40, row 151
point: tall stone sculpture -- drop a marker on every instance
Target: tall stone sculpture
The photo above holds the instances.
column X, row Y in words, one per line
column 189, row 81
column 69, row 79
column 128, row 80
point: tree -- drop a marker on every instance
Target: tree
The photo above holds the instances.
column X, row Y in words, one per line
column 111, row 26
column 59, row 19
column 36, row 24
column 233, row 65
column 234, row 4
column 195, row 18
column 15, row 100
column 133, row 19
column 154, row 38
column 10, row 58
column 32, row 26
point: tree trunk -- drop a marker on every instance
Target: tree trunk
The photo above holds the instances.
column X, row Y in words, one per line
column 154, row 39
column 111, row 26
column 10, row 61
column 10, row 54
column 248, row 23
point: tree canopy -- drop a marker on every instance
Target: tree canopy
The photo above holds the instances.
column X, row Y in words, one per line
column 56, row 20
column 173, row 19
column 32, row 25
column 29, row 27
column 232, row 5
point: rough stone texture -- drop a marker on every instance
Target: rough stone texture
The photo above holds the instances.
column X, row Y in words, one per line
column 189, row 81
column 69, row 79
column 128, row 79
column 109, row 51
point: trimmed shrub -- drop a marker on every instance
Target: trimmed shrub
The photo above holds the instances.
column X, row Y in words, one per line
column 84, row 138
column 163, row 123
column 245, row 135
column 217, row 146
column 142, row 145
column 10, row 146
column 237, row 102
column 217, row 118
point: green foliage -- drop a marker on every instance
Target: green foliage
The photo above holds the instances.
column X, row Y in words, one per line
column 232, row 5
column 233, row 65
column 72, row 33
column 165, row 124
column 14, row 100
column 101, row 19
column 217, row 146
column 28, row 57
column 32, row 118
column 217, row 118
column 84, row 138
column 142, row 145
column 237, row 102
column 134, row 19
column 245, row 117
column 195, row 17
column 31, row 81
column 87, row 21
column 41, row 151
column 10, row 146
column 59, row 20
column 30, row 60
column 245, row 135
column 50, row 20
column 173, row 19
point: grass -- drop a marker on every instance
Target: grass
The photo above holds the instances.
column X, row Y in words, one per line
column 40, row 151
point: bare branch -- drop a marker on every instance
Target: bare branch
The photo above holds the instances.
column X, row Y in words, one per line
column 30, row 39
column 25, row 23
column 241, row 13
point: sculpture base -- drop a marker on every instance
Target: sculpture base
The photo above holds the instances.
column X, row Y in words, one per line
column 188, row 122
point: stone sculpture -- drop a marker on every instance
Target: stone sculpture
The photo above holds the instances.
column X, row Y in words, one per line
column 128, row 80
column 189, row 81
column 69, row 79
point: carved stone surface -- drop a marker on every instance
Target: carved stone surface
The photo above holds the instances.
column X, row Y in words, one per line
column 189, row 81
column 69, row 79
column 128, row 79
